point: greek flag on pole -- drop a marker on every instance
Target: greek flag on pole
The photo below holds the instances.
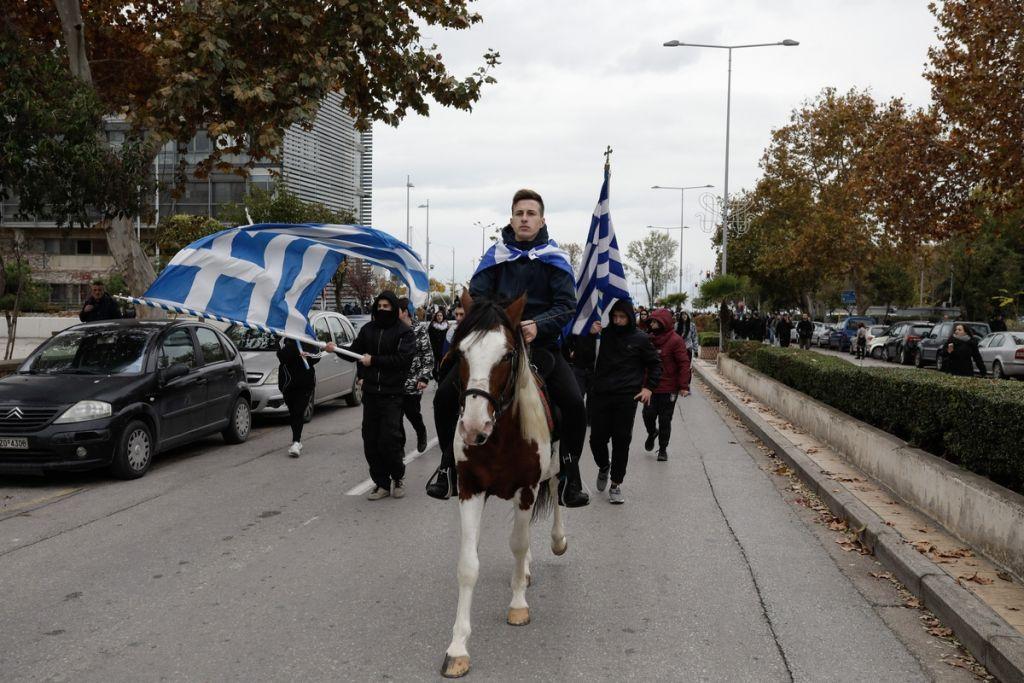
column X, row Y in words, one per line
column 269, row 275
column 602, row 280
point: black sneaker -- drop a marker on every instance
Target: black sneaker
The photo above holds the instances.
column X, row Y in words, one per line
column 444, row 484
column 602, row 478
column 649, row 444
column 662, row 455
column 421, row 441
column 571, row 494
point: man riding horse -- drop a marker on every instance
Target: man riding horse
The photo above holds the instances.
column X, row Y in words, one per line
column 551, row 303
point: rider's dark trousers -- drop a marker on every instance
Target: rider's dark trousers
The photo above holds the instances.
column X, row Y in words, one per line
column 383, row 437
column 612, row 417
column 411, row 410
column 562, row 389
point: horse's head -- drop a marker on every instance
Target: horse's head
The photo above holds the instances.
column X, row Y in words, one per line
column 489, row 344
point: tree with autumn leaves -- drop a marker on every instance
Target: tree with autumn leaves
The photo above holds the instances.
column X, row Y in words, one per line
column 243, row 72
column 865, row 195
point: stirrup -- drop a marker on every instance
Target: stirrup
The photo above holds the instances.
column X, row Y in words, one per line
column 434, row 484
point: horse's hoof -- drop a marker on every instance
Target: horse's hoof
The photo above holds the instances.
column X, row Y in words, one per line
column 455, row 667
column 559, row 549
column 518, row 616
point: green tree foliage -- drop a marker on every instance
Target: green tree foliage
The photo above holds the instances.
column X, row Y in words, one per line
column 281, row 205
column 652, row 261
column 674, row 300
column 889, row 282
column 176, row 232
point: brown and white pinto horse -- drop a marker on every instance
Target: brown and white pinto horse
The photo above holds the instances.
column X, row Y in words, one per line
column 502, row 449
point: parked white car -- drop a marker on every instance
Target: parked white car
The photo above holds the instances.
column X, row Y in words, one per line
column 335, row 376
column 1003, row 353
column 878, row 335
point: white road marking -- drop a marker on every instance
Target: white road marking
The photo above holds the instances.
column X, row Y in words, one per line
column 364, row 487
column 310, row 520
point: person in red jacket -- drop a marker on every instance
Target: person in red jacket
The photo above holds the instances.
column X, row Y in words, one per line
column 675, row 381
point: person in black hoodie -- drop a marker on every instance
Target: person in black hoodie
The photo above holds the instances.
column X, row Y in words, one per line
column 297, row 379
column 388, row 347
column 99, row 305
column 627, row 371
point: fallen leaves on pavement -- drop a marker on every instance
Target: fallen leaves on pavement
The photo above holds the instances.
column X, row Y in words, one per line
column 976, row 578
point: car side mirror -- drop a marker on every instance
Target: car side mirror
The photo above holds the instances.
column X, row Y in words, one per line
column 173, row 372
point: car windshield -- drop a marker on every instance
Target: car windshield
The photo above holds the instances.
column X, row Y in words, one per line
column 878, row 329
column 919, row 330
column 979, row 329
column 92, row 352
column 247, row 339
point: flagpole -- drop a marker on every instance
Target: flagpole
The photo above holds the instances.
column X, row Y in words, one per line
column 206, row 316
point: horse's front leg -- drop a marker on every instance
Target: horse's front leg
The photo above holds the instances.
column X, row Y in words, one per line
column 559, row 543
column 456, row 661
column 519, row 542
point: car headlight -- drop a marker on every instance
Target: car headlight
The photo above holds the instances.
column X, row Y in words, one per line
column 85, row 410
column 271, row 377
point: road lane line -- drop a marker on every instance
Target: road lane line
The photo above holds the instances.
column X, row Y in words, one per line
column 365, row 486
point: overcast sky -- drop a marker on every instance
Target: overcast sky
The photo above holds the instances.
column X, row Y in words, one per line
column 577, row 75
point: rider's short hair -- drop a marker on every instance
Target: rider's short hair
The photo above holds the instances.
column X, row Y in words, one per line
column 527, row 194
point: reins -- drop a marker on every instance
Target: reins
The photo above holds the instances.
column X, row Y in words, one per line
column 507, row 396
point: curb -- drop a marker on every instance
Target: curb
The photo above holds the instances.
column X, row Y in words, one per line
column 992, row 641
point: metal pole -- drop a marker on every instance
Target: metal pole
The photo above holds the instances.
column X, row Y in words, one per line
column 428, row 251
column 408, row 225
column 725, row 191
column 682, row 229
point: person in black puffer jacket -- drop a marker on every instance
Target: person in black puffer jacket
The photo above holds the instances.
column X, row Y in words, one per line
column 961, row 350
column 628, row 370
column 388, row 347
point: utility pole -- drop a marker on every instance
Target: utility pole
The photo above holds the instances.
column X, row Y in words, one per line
column 408, row 224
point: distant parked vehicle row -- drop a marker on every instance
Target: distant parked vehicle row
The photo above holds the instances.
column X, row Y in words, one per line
column 932, row 347
column 902, row 341
column 1003, row 353
column 844, row 333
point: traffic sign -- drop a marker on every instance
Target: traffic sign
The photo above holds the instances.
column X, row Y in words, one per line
column 849, row 297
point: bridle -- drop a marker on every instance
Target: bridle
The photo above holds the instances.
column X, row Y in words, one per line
column 504, row 400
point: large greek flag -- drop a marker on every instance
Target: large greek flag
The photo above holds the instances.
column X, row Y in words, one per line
column 268, row 275
column 602, row 279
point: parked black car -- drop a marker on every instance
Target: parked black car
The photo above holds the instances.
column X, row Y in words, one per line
column 115, row 393
column 903, row 339
column 933, row 346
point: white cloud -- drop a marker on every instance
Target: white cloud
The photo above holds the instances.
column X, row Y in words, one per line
column 579, row 75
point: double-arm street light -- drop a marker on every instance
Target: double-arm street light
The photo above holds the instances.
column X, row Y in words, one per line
column 728, row 109
column 682, row 219
column 483, row 233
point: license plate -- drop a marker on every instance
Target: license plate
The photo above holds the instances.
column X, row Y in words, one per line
column 15, row 442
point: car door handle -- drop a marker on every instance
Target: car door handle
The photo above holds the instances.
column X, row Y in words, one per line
column 201, row 380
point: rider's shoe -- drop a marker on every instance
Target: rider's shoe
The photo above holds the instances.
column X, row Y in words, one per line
column 570, row 488
column 444, row 483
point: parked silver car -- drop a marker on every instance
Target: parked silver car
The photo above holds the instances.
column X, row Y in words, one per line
column 1003, row 353
column 335, row 376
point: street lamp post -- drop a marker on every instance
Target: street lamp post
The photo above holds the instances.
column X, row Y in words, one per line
column 408, row 222
column 680, row 229
column 682, row 219
column 483, row 233
column 426, row 206
column 728, row 111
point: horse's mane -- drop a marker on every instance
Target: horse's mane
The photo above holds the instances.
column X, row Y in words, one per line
column 484, row 314
column 487, row 314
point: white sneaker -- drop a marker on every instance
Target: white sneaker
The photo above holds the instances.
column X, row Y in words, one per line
column 398, row 489
column 296, row 449
column 377, row 493
column 615, row 495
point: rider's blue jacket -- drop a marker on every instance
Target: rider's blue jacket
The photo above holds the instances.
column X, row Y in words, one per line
column 550, row 291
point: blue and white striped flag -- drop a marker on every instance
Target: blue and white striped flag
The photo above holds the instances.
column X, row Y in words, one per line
column 602, row 280
column 268, row 275
column 549, row 253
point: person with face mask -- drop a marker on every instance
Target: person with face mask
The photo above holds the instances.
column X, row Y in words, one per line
column 961, row 351
column 387, row 347
column 687, row 329
column 675, row 381
column 627, row 371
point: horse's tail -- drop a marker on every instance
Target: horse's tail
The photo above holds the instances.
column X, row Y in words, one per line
column 543, row 506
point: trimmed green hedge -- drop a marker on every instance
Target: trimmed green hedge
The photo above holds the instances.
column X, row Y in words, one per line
column 975, row 423
column 707, row 338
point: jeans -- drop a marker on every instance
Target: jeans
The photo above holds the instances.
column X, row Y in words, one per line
column 297, row 402
column 612, row 417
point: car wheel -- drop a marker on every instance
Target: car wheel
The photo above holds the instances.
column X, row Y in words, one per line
column 354, row 397
column 876, row 353
column 134, row 451
column 919, row 358
column 240, row 422
column 307, row 414
column 997, row 370
column 903, row 356
column 938, row 362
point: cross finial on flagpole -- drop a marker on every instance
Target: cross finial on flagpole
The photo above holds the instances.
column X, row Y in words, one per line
column 608, row 157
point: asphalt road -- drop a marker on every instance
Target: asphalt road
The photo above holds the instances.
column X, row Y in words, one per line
column 239, row 563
